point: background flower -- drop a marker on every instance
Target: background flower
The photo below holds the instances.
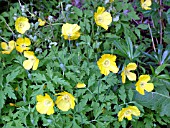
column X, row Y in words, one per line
column 22, row 44
column 102, row 18
column 128, row 112
column 22, row 25
column 45, row 104
column 70, row 31
column 32, row 61
column 41, row 22
column 65, row 101
column 145, row 4
column 142, row 84
column 107, row 63
column 80, row 85
column 126, row 72
column 7, row 47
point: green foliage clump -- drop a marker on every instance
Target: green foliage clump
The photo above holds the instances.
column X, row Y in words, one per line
column 133, row 36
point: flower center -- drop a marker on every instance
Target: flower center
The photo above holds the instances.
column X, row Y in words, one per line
column 66, row 98
column 106, row 63
column 23, row 46
column 32, row 59
column 8, row 48
column 100, row 18
column 126, row 72
column 21, row 25
column 142, row 84
column 127, row 113
column 47, row 103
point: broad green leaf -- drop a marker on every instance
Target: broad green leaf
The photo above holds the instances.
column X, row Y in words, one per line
column 122, row 93
column 62, row 82
column 78, row 11
column 118, row 27
column 168, row 16
column 155, row 101
column 12, row 76
column 2, row 99
column 50, row 86
column 91, row 80
column 97, row 109
column 39, row 77
column 130, row 94
column 72, row 76
column 137, row 31
column 143, row 26
column 10, row 92
column 159, row 69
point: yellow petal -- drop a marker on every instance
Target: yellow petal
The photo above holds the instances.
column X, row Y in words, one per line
column 41, row 22
column 131, row 76
column 64, row 106
column 104, row 26
column 6, row 52
column 27, row 41
column 148, row 2
column 19, row 41
column 19, row 49
column 28, row 54
column 80, row 85
column 41, row 108
column 12, row 44
column 72, row 103
column 145, row 78
column 140, row 90
column 107, row 18
column 114, row 68
column 75, row 28
column 131, row 66
column 121, row 114
column 149, row 87
column 27, row 64
column 39, row 98
column 134, row 110
column 100, row 10
column 35, row 66
column 123, row 77
column 105, row 71
column 129, row 117
column 50, row 110
column 4, row 45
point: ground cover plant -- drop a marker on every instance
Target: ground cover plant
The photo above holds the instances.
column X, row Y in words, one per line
column 85, row 64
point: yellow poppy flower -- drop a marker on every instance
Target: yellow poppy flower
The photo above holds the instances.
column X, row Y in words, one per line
column 45, row 104
column 107, row 63
column 12, row 104
column 102, row 18
column 32, row 61
column 128, row 112
column 7, row 47
column 70, row 31
column 126, row 72
column 65, row 101
column 142, row 84
column 41, row 22
column 22, row 25
column 80, row 85
column 145, row 4
column 111, row 1
column 22, row 44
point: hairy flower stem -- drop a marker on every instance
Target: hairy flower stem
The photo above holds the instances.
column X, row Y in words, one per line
column 153, row 44
column 3, row 39
column 160, row 21
column 63, row 12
